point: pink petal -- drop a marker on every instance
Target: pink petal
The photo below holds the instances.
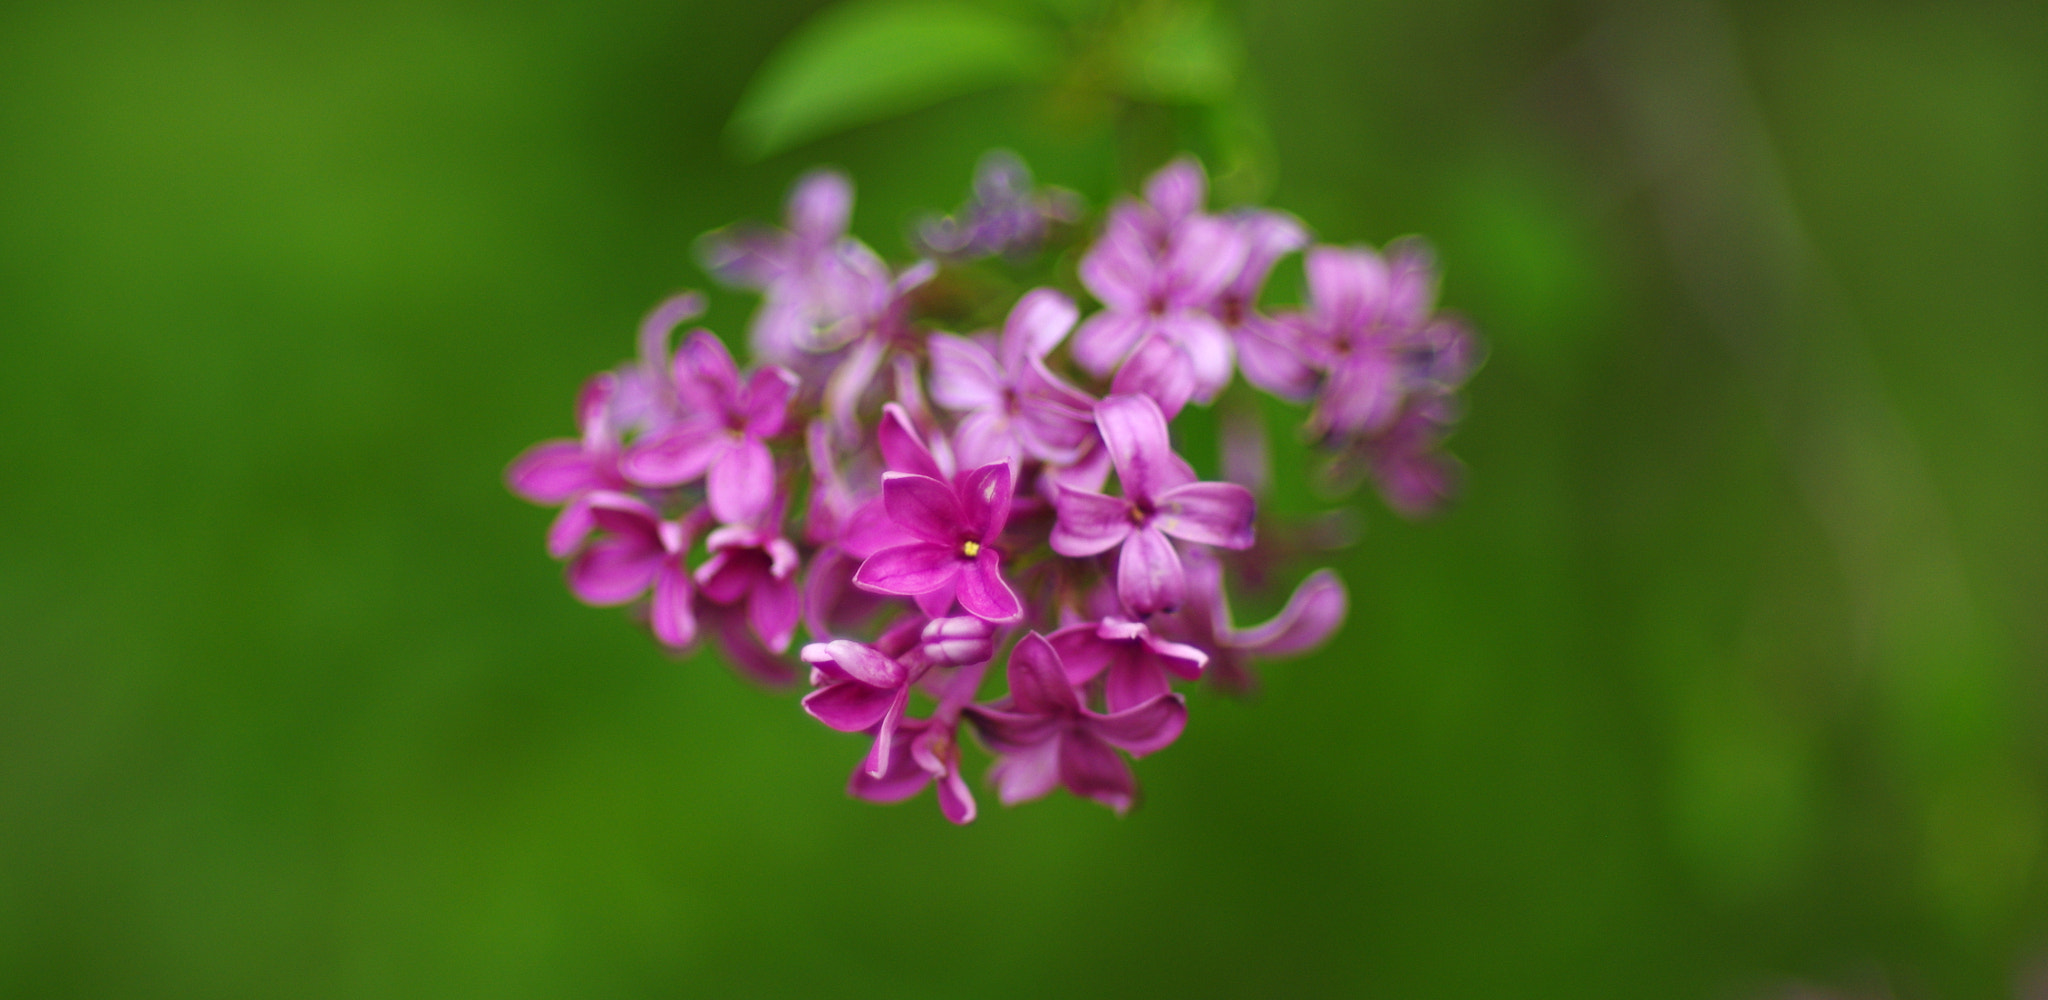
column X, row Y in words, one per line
column 1135, row 431
column 1178, row 189
column 1268, row 360
column 1145, row 728
column 1135, row 680
column 1207, row 346
column 819, row 206
column 964, row 374
column 1210, row 513
column 1083, row 654
column 1089, row 523
column 851, row 707
column 613, row 570
column 885, row 734
column 674, row 621
column 1106, row 337
column 766, row 402
column 551, row 472
column 927, row 508
column 626, row 516
column 938, row 603
column 901, row 778
column 1148, row 573
column 1090, row 769
column 1206, row 253
column 1038, row 681
column 984, row 594
column 909, row 570
column 570, row 527
column 676, row 455
column 1159, row 370
column 985, row 500
column 903, row 449
column 857, row 661
column 957, row 641
column 1027, row 773
column 704, row 372
column 773, row 611
column 1118, row 269
column 986, row 436
column 741, row 486
column 1036, row 325
column 1345, row 285
column 956, row 801
column 1312, row 615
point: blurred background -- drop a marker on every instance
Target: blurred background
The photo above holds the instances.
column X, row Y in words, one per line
column 1725, row 679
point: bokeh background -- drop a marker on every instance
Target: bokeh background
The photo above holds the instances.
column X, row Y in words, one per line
column 1724, row 679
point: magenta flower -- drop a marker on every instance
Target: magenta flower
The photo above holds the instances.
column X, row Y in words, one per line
column 860, row 688
column 1158, row 269
column 1160, row 498
column 1313, row 614
column 1016, row 408
column 637, row 549
column 755, row 567
column 953, row 552
column 567, row 472
column 1047, row 737
column 1267, row 352
column 722, row 435
column 1133, row 660
column 1365, row 330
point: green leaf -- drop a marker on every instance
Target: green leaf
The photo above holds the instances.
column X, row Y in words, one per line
column 866, row 60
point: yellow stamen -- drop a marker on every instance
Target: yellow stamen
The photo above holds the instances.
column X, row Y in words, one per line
column 970, row 549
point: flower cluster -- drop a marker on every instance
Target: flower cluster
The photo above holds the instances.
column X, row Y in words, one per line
column 920, row 501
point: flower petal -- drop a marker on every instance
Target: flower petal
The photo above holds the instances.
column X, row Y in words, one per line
column 1090, row 769
column 985, row 500
column 772, row 612
column 613, row 570
column 766, row 402
column 570, row 527
column 1135, row 680
column 1027, row 773
column 741, row 486
column 1148, row 573
column 819, row 206
column 927, row 508
column 983, row 593
column 1036, row 325
column 903, row 449
column 673, row 619
column 849, row 706
column 1312, row 615
column 1083, row 653
column 1178, row 189
column 1038, row 681
column 1089, row 523
column 964, row 374
column 909, row 570
column 1347, row 286
column 1135, row 431
column 1159, row 370
column 1210, row 513
column 1106, row 337
column 857, row 661
column 1144, row 728
column 675, row 455
column 704, row 373
column 551, row 472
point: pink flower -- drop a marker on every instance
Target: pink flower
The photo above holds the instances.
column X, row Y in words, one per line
column 1132, row 660
column 722, row 434
column 953, row 552
column 1160, row 498
column 637, row 549
column 1016, row 408
column 1313, row 614
column 1047, row 737
column 755, row 567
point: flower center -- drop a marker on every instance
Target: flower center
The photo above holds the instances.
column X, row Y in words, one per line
column 970, row 549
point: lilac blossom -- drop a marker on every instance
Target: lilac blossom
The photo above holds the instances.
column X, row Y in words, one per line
column 1015, row 408
column 637, row 549
column 885, row 528
column 1160, row 498
column 722, row 435
column 1313, row 614
column 954, row 529
column 1158, row 270
column 1047, row 737
column 1133, row 662
column 1006, row 214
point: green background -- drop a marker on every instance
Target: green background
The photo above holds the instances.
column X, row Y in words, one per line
column 1726, row 674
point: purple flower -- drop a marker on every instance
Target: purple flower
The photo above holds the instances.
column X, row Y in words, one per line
column 646, row 396
column 636, row 549
column 1047, row 737
column 1015, row 407
column 756, row 567
column 1268, row 351
column 1004, row 216
column 860, row 688
column 1160, row 498
column 567, row 472
column 1158, row 269
column 1313, row 614
column 1365, row 330
column 1133, row 660
column 954, row 529
column 722, row 434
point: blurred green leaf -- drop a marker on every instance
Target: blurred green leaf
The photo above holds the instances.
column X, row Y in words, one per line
column 871, row 59
column 1179, row 53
